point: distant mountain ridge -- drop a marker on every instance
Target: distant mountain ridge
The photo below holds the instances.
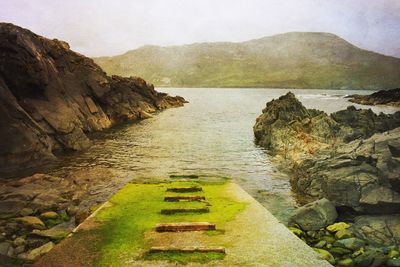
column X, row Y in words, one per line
column 289, row 60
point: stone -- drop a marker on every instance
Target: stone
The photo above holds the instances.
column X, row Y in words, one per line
column 370, row 258
column 393, row 262
column 48, row 106
column 314, row 216
column 325, row 255
column 339, row 251
column 187, row 210
column 345, row 263
column 378, row 229
column 296, row 231
column 184, row 198
column 352, row 243
column 72, row 210
column 393, row 254
column 4, row 247
column 192, row 249
column 19, row 241
column 49, row 215
column 344, row 233
column 337, row 227
column 383, row 97
column 37, row 252
column 57, row 232
column 328, row 239
column 185, row 189
column 320, row 244
column 184, row 227
column 31, row 222
column 26, row 212
column 10, row 208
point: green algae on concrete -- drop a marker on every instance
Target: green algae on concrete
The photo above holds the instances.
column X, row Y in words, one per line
column 135, row 209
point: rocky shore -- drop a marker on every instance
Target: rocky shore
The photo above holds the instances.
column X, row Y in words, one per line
column 383, row 97
column 51, row 99
column 351, row 159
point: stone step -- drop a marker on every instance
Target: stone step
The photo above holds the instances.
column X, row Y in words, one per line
column 193, row 249
column 183, row 210
column 184, row 227
column 183, row 198
column 184, row 176
column 185, row 189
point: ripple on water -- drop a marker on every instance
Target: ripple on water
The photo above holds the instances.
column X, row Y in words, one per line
column 211, row 135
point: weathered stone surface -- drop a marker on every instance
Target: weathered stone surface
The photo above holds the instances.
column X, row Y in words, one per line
column 184, row 198
column 51, row 97
column 187, row 210
column 382, row 229
column 184, row 227
column 185, row 189
column 314, row 216
column 349, row 157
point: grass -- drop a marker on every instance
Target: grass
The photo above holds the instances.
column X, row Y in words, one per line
column 136, row 209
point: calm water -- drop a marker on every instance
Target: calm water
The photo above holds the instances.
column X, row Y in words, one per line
column 212, row 135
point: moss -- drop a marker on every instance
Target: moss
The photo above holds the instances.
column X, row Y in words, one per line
column 185, row 258
column 136, row 209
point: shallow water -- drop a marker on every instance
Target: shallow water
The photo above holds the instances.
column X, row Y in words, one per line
column 211, row 135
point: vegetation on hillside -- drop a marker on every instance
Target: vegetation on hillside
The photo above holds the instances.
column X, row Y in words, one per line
column 291, row 60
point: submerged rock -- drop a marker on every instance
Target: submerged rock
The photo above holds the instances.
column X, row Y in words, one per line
column 51, row 97
column 314, row 216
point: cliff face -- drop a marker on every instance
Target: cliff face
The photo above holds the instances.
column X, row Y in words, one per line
column 51, row 97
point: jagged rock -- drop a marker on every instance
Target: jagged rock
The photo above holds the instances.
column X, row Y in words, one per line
column 51, row 97
column 382, row 97
column 326, row 158
column 314, row 216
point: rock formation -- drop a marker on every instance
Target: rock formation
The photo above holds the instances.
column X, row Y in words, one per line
column 350, row 157
column 51, row 97
column 382, row 97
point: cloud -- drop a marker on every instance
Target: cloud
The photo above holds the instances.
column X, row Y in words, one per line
column 99, row 27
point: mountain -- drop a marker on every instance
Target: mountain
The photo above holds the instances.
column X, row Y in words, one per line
column 290, row 60
column 51, row 98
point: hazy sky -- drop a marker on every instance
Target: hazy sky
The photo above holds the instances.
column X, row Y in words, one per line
column 109, row 27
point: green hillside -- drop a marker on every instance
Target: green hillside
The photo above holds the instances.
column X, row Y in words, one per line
column 291, row 60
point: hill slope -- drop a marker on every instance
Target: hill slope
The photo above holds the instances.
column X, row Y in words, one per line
column 296, row 60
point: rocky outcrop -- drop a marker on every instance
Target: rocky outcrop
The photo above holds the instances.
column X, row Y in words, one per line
column 51, row 97
column 383, row 97
column 350, row 157
column 288, row 129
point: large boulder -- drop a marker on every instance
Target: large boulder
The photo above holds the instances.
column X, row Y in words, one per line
column 51, row 97
column 383, row 97
column 314, row 216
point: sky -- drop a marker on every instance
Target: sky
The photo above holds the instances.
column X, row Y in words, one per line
column 111, row 27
